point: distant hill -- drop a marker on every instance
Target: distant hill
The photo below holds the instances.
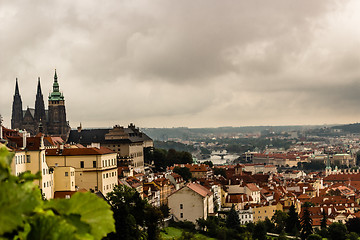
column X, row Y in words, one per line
column 185, row 133
column 350, row 128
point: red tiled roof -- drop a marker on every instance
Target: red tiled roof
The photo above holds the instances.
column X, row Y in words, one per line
column 78, row 151
column 252, row 187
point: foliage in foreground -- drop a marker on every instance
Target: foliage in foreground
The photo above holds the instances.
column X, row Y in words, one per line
column 24, row 215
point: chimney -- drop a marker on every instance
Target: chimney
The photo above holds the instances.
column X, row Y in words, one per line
column 79, row 128
column 95, row 145
column 24, row 139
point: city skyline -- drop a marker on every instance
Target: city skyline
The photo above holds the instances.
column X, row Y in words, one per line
column 186, row 64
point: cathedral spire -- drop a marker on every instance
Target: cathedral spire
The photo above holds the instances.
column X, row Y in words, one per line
column 39, row 104
column 55, row 76
column 17, row 92
column 17, row 112
column 56, row 95
column 39, row 92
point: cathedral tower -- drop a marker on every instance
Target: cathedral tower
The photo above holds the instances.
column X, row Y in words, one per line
column 17, row 112
column 57, row 124
column 39, row 105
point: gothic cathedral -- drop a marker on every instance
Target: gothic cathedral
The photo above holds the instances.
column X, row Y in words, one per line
column 51, row 122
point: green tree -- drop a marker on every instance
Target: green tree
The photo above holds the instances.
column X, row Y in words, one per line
column 353, row 225
column 292, row 224
column 209, row 163
column 128, row 208
column 232, row 219
column 306, row 224
column 324, row 220
column 165, row 210
column 337, row 231
column 259, row 231
column 279, row 218
column 353, row 236
column 153, row 218
column 24, row 215
column 314, row 237
column 270, row 226
column 184, row 172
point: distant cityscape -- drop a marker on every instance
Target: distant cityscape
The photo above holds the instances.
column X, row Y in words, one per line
column 257, row 172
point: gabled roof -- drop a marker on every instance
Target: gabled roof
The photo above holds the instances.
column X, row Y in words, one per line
column 199, row 189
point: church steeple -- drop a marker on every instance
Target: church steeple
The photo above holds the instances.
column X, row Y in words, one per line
column 39, row 104
column 56, row 95
column 56, row 122
column 17, row 112
column 17, row 92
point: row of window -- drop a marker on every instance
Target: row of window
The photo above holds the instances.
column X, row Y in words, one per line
column 110, row 174
column 71, row 173
column 48, row 184
column 109, row 162
column 21, row 159
column 105, row 163
column 109, row 186
column 45, row 171
column 138, row 154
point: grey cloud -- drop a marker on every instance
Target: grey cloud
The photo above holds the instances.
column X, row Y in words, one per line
column 191, row 62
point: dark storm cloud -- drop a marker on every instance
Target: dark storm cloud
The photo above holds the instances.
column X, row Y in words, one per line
column 185, row 63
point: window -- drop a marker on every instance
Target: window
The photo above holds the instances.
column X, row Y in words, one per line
column 104, row 175
column 44, row 185
column 181, row 206
column 67, row 196
column 181, row 215
column 81, row 164
column 112, row 173
column 66, row 174
column 107, row 175
column 28, row 158
column 43, row 171
column 72, row 183
column 94, row 164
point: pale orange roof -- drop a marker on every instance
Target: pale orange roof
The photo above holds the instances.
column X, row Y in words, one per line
column 199, row 189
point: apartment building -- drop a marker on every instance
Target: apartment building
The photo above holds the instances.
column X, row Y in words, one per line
column 95, row 168
column 30, row 156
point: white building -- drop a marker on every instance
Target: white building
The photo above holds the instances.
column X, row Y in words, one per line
column 191, row 202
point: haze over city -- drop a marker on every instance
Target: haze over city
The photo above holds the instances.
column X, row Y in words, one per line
column 186, row 63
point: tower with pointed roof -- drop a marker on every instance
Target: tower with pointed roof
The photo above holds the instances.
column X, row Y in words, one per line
column 57, row 123
column 17, row 112
column 40, row 115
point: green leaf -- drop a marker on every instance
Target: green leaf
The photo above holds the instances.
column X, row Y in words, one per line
column 5, row 162
column 46, row 227
column 16, row 201
column 93, row 211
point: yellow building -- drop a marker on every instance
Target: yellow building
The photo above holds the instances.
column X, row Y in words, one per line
column 64, row 179
column 30, row 156
column 261, row 212
column 128, row 143
column 95, row 168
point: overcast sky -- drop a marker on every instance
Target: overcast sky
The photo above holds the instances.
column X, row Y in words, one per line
column 194, row 63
